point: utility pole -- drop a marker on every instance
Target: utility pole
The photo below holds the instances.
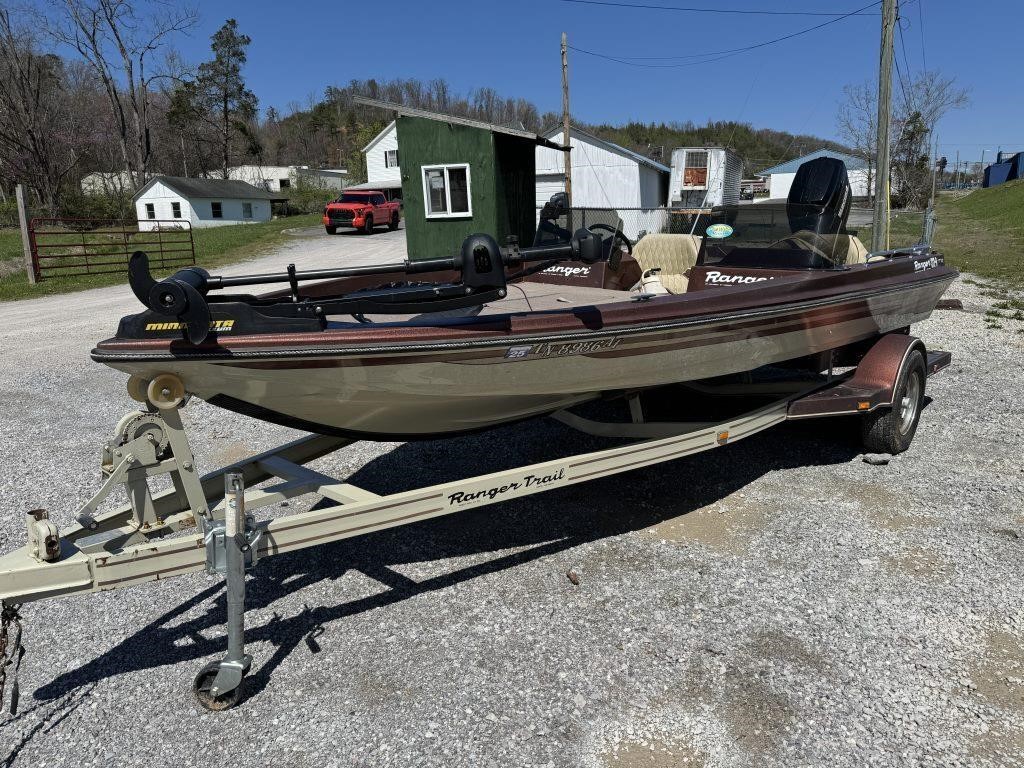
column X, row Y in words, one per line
column 880, row 232
column 567, row 142
column 26, row 244
column 956, row 178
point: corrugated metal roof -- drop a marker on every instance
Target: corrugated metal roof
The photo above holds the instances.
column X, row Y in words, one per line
column 374, row 185
column 612, row 146
column 210, row 188
column 853, row 163
column 401, row 109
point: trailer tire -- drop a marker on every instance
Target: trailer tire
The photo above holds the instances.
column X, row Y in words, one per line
column 201, row 688
column 891, row 430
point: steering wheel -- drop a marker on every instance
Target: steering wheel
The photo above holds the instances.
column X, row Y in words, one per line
column 616, row 234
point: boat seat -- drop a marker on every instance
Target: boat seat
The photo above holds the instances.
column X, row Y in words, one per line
column 840, row 249
column 674, row 254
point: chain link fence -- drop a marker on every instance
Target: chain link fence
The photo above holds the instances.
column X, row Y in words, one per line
column 906, row 228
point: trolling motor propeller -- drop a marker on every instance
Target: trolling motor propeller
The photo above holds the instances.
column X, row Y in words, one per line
column 181, row 295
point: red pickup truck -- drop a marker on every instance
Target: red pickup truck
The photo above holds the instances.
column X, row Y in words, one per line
column 362, row 210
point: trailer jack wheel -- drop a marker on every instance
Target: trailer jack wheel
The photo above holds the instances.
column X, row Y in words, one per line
column 207, row 680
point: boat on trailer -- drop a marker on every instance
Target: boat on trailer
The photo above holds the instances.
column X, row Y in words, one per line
column 774, row 309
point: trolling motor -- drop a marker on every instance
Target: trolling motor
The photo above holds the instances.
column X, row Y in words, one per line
column 481, row 262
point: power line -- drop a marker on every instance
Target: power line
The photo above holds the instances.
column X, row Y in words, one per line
column 637, row 61
column 896, row 59
column 746, row 12
column 920, row 27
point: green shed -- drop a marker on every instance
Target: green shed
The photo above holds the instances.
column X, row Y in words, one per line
column 462, row 176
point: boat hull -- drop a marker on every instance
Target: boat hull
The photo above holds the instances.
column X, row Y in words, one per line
column 470, row 382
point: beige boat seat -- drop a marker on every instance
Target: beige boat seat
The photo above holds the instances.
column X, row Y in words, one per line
column 841, row 249
column 674, row 254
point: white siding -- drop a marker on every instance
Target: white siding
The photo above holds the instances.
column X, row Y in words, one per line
column 779, row 184
column 723, row 179
column 547, row 185
column 266, row 177
column 376, row 172
column 161, row 196
column 600, row 178
column 198, row 212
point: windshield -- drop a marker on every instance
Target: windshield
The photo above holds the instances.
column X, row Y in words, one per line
column 353, row 197
column 774, row 235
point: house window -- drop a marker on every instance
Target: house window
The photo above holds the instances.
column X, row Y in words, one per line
column 246, row 210
column 150, row 211
column 391, row 158
column 216, row 211
column 284, row 183
column 176, row 210
column 446, row 191
column 695, row 170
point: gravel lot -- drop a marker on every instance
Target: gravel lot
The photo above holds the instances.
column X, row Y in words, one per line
column 777, row 602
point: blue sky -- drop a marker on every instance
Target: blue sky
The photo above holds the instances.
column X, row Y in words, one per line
column 299, row 48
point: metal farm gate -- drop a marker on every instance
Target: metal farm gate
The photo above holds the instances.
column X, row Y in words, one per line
column 64, row 247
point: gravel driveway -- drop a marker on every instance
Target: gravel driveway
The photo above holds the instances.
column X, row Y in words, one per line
column 777, row 602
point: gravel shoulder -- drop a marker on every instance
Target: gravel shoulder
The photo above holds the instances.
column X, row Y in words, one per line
column 776, row 602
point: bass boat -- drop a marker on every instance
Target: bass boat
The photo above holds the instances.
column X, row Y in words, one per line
column 432, row 348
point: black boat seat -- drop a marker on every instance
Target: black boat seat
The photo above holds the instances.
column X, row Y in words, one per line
column 673, row 254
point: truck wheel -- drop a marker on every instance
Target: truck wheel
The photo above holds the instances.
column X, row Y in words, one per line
column 891, row 430
column 393, row 224
column 331, row 230
column 368, row 225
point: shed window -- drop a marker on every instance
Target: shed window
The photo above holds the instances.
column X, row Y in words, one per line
column 695, row 169
column 446, row 191
column 284, row 183
column 246, row 210
column 150, row 211
column 176, row 210
column 391, row 158
column 216, row 211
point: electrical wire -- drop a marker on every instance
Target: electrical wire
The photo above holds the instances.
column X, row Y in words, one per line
column 637, row 61
column 737, row 11
column 920, row 28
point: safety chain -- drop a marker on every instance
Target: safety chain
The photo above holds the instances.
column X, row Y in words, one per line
column 8, row 616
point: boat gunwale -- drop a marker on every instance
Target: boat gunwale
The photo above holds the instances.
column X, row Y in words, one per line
column 288, row 345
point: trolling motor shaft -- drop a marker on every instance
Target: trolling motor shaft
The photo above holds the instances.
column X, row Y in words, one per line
column 481, row 262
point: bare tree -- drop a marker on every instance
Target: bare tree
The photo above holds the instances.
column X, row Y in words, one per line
column 921, row 102
column 119, row 46
column 39, row 143
column 858, row 124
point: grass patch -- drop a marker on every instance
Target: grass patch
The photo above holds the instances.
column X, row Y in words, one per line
column 983, row 233
column 215, row 246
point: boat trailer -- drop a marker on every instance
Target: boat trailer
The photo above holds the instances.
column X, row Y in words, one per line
column 217, row 532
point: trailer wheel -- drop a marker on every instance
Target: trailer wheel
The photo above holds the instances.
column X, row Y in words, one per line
column 201, row 688
column 892, row 430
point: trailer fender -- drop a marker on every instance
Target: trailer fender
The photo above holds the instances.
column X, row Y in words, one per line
column 873, row 385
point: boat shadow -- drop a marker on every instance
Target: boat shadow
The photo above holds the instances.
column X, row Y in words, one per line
column 517, row 532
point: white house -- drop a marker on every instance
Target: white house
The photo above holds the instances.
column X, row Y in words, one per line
column 604, row 175
column 164, row 200
column 382, row 169
column 275, row 178
column 106, row 183
column 703, row 177
column 780, row 177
